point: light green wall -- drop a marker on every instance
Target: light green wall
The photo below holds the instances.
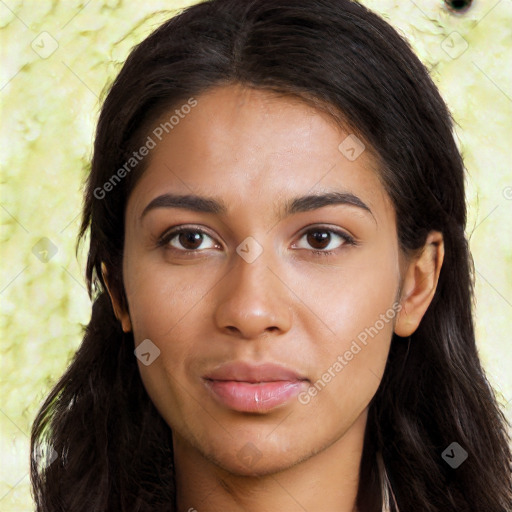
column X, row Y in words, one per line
column 57, row 58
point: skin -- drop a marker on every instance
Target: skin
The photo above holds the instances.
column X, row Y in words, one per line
column 254, row 151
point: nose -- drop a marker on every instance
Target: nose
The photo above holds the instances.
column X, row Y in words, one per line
column 254, row 300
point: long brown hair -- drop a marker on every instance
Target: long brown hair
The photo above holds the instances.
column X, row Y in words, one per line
column 114, row 449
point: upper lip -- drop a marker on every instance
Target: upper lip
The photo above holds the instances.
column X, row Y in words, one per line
column 246, row 372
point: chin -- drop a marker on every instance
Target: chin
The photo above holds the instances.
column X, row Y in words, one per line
column 263, row 464
column 252, row 458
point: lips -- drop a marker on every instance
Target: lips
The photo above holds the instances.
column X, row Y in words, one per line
column 254, row 388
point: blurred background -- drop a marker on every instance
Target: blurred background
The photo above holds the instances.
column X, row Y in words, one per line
column 57, row 59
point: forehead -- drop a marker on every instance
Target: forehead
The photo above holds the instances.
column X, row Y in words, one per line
column 253, row 147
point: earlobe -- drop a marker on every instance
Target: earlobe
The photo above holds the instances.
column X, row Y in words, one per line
column 121, row 313
column 419, row 284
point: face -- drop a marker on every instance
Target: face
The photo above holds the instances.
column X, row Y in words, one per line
column 273, row 308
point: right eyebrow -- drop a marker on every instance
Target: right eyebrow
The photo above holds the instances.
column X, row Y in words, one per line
column 186, row 202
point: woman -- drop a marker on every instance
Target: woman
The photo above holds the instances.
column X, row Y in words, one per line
column 281, row 280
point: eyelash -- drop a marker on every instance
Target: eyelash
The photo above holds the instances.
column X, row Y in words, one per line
column 164, row 240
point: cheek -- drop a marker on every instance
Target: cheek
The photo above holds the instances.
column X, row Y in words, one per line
column 165, row 307
column 357, row 308
column 162, row 304
column 162, row 297
column 352, row 296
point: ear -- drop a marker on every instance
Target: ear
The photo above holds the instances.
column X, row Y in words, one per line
column 119, row 310
column 419, row 284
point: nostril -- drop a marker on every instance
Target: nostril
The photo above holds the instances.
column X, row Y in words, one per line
column 458, row 5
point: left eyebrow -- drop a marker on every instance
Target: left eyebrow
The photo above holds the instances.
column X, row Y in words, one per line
column 292, row 206
column 314, row 201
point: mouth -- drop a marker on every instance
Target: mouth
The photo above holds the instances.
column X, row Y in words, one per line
column 254, row 388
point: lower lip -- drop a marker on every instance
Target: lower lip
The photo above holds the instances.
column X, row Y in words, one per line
column 257, row 397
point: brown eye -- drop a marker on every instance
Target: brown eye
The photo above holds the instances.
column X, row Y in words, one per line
column 190, row 239
column 186, row 240
column 325, row 241
column 318, row 239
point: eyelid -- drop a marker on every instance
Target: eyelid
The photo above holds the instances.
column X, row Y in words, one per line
column 326, row 227
column 171, row 233
column 342, row 233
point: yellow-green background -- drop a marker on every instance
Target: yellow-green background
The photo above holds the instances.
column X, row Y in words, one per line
column 49, row 106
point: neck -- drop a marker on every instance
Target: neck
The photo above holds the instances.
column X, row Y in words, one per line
column 325, row 481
